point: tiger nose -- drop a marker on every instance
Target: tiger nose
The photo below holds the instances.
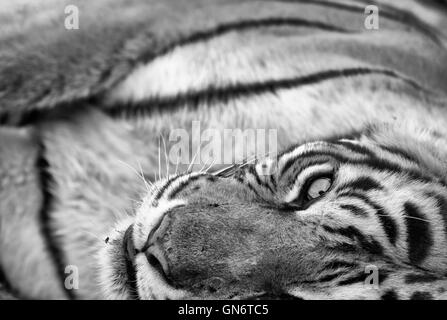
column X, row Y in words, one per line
column 154, row 249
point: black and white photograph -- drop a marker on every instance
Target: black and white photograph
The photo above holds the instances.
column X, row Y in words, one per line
column 228, row 150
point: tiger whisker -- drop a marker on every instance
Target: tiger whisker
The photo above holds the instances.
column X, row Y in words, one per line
column 406, row 216
column 176, row 164
column 212, row 164
column 205, row 164
column 231, row 167
column 148, row 183
column 209, row 167
column 159, row 159
column 194, row 158
column 224, row 170
column 166, row 157
column 154, row 172
column 263, row 156
column 244, row 162
column 137, row 173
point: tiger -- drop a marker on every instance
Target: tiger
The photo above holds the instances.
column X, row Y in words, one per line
column 352, row 204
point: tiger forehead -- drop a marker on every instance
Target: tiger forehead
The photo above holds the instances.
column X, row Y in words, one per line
column 319, row 152
column 305, row 147
column 201, row 187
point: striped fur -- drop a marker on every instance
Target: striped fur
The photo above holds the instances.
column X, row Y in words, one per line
column 82, row 114
column 384, row 211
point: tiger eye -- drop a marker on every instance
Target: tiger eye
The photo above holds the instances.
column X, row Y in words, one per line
column 318, row 187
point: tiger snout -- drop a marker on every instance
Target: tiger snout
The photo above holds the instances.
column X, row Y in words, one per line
column 218, row 249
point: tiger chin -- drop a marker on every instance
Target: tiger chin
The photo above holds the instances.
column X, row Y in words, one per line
column 312, row 223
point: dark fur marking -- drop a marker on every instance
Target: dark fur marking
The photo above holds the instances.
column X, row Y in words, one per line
column 56, row 253
column 344, row 248
column 421, row 295
column 390, row 295
column 357, row 211
column 330, row 277
column 129, row 255
column 353, row 134
column 211, row 178
column 373, row 163
column 356, row 195
column 207, row 95
column 389, row 12
column 363, row 150
column 367, row 243
column 162, row 190
column 205, row 35
column 419, row 278
column 419, row 235
column 442, row 205
column 182, row 186
column 237, row 90
column 27, row 117
column 252, row 170
column 399, row 152
column 309, row 162
column 360, row 277
column 388, row 224
column 272, row 180
column 252, row 188
column 5, row 284
column 336, row 264
column 361, row 183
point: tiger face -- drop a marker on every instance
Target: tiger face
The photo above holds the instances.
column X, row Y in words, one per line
column 345, row 219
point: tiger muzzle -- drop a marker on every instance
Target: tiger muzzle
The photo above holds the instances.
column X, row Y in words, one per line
column 227, row 250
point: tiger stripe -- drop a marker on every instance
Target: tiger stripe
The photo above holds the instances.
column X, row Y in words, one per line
column 56, row 252
column 241, row 25
column 223, row 94
column 364, row 184
column 367, row 243
column 420, row 238
column 442, row 208
column 386, row 221
column 182, row 185
column 373, row 163
column 389, row 12
column 356, row 210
